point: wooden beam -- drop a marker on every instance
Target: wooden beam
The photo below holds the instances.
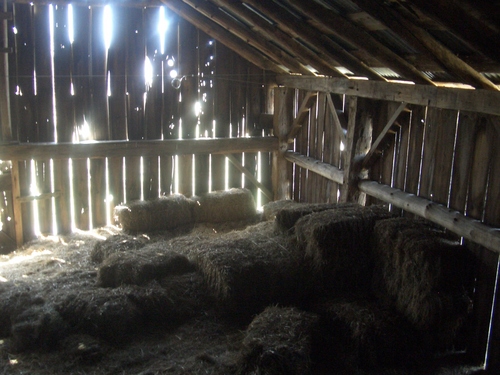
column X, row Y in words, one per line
column 257, row 24
column 482, row 101
column 250, row 176
column 368, row 159
column 323, row 169
column 5, row 115
column 330, row 22
column 31, row 198
column 306, row 104
column 246, row 35
column 16, row 192
column 336, row 119
column 223, row 36
column 452, row 220
column 27, row 151
column 327, row 50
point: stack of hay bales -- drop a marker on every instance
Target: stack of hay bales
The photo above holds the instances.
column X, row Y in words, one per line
column 424, row 274
column 250, row 269
column 115, row 244
column 271, row 209
column 278, row 341
column 224, row 206
column 337, row 245
column 163, row 213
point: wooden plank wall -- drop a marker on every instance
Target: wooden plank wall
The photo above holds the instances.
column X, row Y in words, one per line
column 86, row 92
column 447, row 156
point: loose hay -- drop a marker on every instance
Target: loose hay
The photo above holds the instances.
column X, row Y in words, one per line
column 250, row 269
column 163, row 213
column 278, row 341
column 425, row 274
column 223, row 206
column 140, row 267
column 337, row 244
column 357, row 333
column 271, row 209
column 116, row 243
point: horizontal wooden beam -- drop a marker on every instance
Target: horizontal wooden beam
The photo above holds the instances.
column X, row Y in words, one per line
column 323, row 169
column 452, row 220
column 482, row 101
column 31, row 198
column 26, row 151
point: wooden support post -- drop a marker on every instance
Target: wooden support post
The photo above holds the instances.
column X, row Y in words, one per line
column 16, row 193
column 349, row 186
column 5, row 120
column 283, row 111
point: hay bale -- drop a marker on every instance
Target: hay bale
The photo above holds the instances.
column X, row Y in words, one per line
column 271, row 209
column 163, row 213
column 115, row 244
column 248, row 270
column 357, row 333
column 337, row 245
column 278, row 341
column 38, row 327
column 426, row 275
column 288, row 216
column 223, row 206
column 140, row 267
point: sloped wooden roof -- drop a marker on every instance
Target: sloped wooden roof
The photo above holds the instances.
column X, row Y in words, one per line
column 426, row 42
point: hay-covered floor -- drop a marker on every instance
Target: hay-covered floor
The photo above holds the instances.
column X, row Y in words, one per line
column 74, row 305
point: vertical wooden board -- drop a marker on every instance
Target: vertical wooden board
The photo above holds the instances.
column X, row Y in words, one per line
column 17, row 173
column 430, row 146
column 222, row 111
column 98, row 192
column 62, row 79
column 387, row 157
column 45, row 213
column 151, row 166
column 330, row 141
column 492, row 217
column 63, row 203
column 24, row 105
column 311, row 176
column 80, row 67
column 132, row 178
column 486, row 265
column 402, row 151
column 116, row 182
column 134, row 73
column 117, row 69
column 464, row 149
column 81, row 194
column 379, row 114
column 44, row 97
column 348, row 190
column 320, row 129
column 417, row 127
column 166, row 172
column 170, row 99
column 26, row 208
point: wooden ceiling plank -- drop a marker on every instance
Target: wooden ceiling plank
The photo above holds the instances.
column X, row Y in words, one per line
column 330, row 22
column 259, row 25
column 411, row 32
column 213, row 13
column 481, row 101
column 223, row 36
column 327, row 49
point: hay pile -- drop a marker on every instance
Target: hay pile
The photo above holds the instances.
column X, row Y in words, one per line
column 278, row 341
column 163, row 213
column 362, row 334
column 425, row 275
column 337, row 244
column 223, row 206
column 140, row 267
column 115, row 244
column 248, row 270
column 271, row 209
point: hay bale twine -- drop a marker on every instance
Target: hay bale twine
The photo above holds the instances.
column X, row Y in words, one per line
column 425, row 274
column 337, row 245
column 224, row 206
column 140, row 267
column 164, row 213
column 278, row 341
column 38, row 327
column 248, row 270
column 115, row 244
column 287, row 216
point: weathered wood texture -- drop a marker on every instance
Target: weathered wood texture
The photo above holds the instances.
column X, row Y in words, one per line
column 73, row 89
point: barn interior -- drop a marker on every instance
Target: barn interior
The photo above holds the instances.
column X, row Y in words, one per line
column 249, row 187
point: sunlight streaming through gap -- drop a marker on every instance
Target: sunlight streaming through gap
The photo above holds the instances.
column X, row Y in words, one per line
column 55, row 230
column 52, row 69
column 109, row 198
column 162, row 29
column 89, row 184
column 107, row 26
column 71, row 24
column 72, row 194
column 259, row 178
column 141, row 177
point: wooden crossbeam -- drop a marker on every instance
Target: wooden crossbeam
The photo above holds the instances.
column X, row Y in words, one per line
column 369, row 158
column 301, row 114
column 250, row 176
column 336, row 119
